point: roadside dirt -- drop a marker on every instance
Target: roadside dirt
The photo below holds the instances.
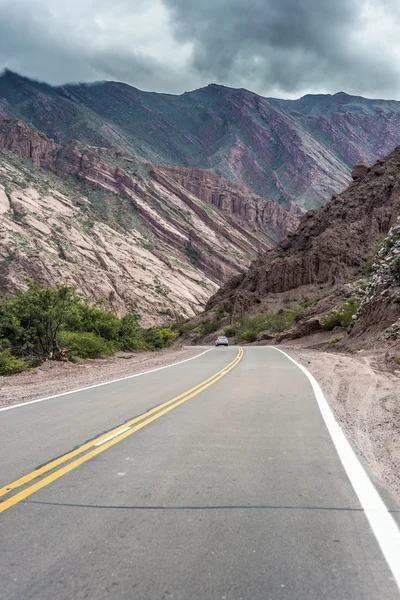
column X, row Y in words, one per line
column 366, row 403
column 56, row 377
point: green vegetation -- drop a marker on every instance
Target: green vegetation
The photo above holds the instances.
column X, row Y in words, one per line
column 334, row 340
column 230, row 330
column 9, row 364
column 82, row 344
column 209, row 326
column 6, row 262
column 342, row 316
column 52, row 323
column 185, row 327
column 397, row 360
column 247, row 328
column 192, row 254
column 307, row 302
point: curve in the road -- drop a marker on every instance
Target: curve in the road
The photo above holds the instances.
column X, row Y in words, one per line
column 103, row 442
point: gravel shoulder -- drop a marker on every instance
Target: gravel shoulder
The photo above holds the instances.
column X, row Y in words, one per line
column 366, row 403
column 55, row 377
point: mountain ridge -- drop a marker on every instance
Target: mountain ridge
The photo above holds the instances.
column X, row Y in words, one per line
column 285, row 150
column 122, row 229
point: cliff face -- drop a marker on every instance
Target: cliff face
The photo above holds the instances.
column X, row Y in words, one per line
column 378, row 317
column 237, row 202
column 284, row 150
column 329, row 247
column 118, row 228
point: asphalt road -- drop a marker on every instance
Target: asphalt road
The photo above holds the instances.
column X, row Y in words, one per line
column 232, row 491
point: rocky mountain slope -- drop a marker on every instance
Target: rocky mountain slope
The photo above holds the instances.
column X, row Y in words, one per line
column 329, row 259
column 121, row 229
column 378, row 317
column 285, row 150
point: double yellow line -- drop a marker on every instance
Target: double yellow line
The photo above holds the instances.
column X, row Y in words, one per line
column 102, row 443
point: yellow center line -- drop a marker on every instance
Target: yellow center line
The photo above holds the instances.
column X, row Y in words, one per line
column 114, row 432
column 142, row 421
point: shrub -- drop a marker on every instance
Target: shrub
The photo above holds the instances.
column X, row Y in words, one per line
column 209, row 326
column 103, row 323
column 32, row 320
column 159, row 337
column 341, row 316
column 271, row 322
column 130, row 333
column 307, row 302
column 39, row 323
column 397, row 360
column 334, row 340
column 230, row 330
column 186, row 327
column 192, row 254
column 248, row 335
column 80, row 344
column 9, row 364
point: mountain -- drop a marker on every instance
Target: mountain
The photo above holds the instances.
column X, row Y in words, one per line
column 348, row 248
column 284, row 150
column 135, row 234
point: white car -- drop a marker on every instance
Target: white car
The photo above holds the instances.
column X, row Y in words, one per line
column 222, row 340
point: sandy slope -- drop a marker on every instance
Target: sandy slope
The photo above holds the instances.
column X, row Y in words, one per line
column 366, row 402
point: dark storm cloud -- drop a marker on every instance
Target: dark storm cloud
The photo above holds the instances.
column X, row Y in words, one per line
column 291, row 45
column 275, row 47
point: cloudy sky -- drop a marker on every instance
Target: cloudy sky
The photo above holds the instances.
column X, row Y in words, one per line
column 283, row 48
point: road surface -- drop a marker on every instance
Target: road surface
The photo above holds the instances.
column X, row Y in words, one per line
column 216, row 478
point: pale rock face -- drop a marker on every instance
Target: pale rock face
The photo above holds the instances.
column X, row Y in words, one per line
column 4, row 202
column 170, row 256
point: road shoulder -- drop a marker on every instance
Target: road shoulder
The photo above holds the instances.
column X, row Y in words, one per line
column 366, row 403
column 54, row 377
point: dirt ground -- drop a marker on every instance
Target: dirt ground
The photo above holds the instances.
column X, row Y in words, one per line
column 366, row 402
column 56, row 377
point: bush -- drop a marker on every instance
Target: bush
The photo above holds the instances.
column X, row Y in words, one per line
column 103, row 323
column 186, row 327
column 334, row 340
column 397, row 360
column 209, row 326
column 341, row 316
column 230, row 330
column 41, row 322
column 32, row 320
column 248, row 327
column 159, row 337
column 9, row 364
column 80, row 344
column 248, row 335
column 130, row 333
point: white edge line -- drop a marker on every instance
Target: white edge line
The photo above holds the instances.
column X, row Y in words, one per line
column 110, row 437
column 90, row 387
column 381, row 521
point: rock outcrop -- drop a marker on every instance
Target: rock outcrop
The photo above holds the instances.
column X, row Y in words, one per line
column 329, row 247
column 238, row 202
column 117, row 228
column 360, row 170
column 378, row 317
